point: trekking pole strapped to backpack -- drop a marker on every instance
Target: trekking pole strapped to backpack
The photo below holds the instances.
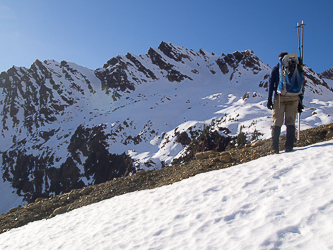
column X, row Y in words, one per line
column 302, row 40
column 300, row 50
column 299, row 42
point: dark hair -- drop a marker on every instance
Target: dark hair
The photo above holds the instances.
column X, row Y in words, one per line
column 282, row 54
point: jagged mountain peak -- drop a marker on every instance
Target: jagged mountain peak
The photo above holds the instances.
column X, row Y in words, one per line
column 170, row 59
column 174, row 52
column 328, row 74
column 14, row 72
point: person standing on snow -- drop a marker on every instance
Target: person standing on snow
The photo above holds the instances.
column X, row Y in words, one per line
column 284, row 108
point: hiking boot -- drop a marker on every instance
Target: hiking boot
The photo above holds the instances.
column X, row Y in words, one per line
column 290, row 138
column 273, row 152
column 275, row 139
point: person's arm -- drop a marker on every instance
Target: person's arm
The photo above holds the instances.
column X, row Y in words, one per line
column 271, row 85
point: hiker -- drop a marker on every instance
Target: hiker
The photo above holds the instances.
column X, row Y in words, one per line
column 285, row 107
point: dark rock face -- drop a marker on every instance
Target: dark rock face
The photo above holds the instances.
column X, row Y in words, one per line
column 35, row 176
column 251, row 61
column 114, row 75
column 183, row 138
column 27, row 90
column 170, row 51
column 317, row 81
column 264, row 82
column 206, row 141
column 172, row 74
column 328, row 74
column 231, row 61
column 100, row 165
column 120, row 73
column 148, row 73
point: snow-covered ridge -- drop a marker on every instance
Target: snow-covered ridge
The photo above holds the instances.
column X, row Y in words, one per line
column 64, row 126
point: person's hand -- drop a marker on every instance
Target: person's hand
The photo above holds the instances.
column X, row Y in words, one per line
column 300, row 107
column 269, row 103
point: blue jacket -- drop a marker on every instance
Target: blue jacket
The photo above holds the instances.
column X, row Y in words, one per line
column 273, row 81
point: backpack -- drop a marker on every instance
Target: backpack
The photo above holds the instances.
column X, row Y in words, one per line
column 290, row 75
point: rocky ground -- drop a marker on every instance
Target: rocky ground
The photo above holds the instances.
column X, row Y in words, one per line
column 47, row 208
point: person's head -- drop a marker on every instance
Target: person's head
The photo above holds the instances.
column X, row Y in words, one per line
column 282, row 54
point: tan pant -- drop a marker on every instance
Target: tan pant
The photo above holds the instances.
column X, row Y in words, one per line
column 285, row 108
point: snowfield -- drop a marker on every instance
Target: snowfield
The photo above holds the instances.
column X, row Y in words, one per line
column 282, row 201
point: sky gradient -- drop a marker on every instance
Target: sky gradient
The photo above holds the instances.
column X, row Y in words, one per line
column 89, row 33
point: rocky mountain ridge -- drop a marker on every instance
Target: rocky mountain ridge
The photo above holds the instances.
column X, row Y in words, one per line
column 65, row 127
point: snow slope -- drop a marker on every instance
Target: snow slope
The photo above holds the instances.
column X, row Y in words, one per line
column 282, row 201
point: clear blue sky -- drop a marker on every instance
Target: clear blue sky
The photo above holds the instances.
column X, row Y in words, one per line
column 91, row 32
